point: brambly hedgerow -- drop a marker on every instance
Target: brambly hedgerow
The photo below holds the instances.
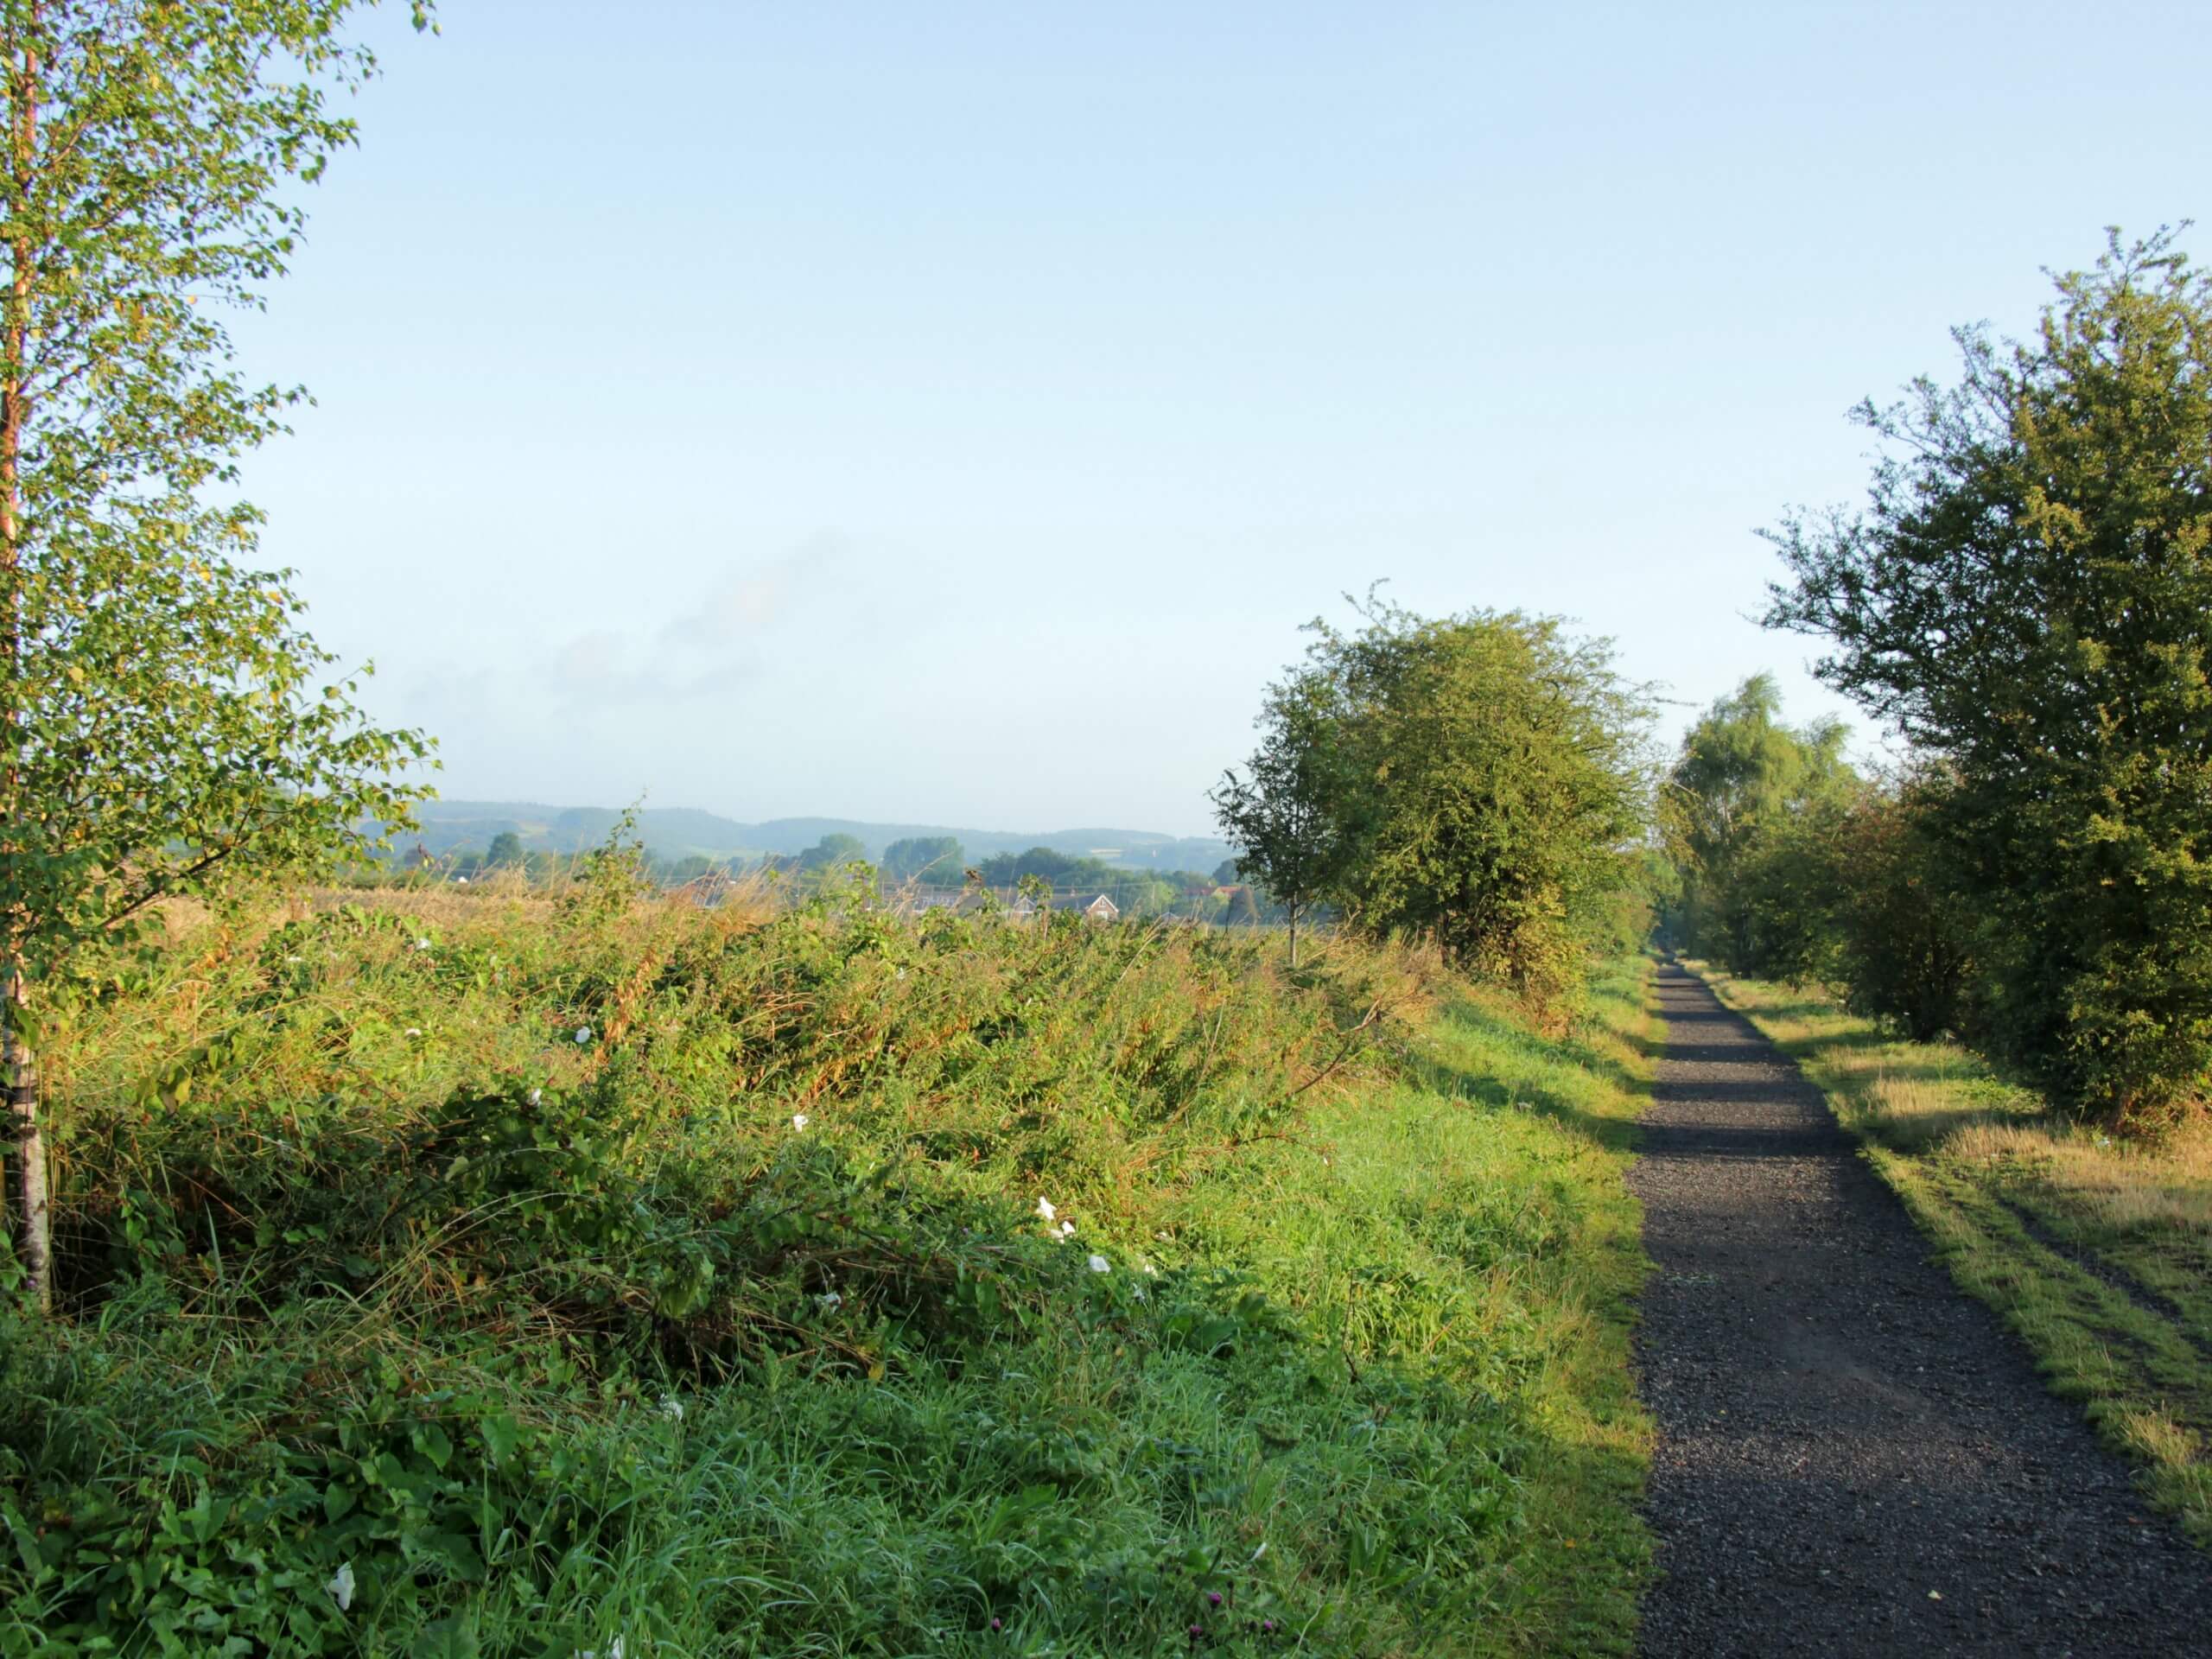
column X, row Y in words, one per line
column 503, row 1277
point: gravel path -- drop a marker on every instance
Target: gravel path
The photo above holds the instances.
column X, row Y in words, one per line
column 1854, row 1456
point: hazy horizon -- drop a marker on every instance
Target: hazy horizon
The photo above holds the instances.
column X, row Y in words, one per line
column 951, row 417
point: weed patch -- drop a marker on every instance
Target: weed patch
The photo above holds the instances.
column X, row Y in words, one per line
column 516, row 1279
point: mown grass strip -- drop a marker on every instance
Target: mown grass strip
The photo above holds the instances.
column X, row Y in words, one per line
column 2087, row 1248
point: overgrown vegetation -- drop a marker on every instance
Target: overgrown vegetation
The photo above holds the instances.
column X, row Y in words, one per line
column 446, row 1274
column 2097, row 1251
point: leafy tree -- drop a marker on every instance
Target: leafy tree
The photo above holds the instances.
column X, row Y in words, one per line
column 164, row 720
column 1504, row 777
column 1006, row 869
column 1744, row 799
column 1904, row 927
column 939, row 860
column 833, row 850
column 505, row 851
column 1293, row 811
column 2028, row 597
column 1226, row 874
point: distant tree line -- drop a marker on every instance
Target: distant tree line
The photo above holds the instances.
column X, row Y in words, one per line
column 2027, row 601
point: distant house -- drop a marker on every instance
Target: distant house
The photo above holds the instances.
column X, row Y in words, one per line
column 1100, row 909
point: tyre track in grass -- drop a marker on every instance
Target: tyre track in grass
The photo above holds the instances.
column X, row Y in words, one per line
column 1854, row 1456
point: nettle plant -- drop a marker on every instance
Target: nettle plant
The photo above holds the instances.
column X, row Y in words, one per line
column 165, row 721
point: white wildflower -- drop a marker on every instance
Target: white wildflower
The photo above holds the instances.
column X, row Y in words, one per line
column 341, row 1586
column 1045, row 1209
column 1260, row 1551
column 422, row 944
column 536, row 1095
column 414, row 1030
column 901, row 974
column 671, row 1407
column 460, row 881
column 1153, row 1271
column 831, row 1301
column 295, row 961
column 799, row 1121
column 1067, row 1230
column 583, row 1034
column 1100, row 1264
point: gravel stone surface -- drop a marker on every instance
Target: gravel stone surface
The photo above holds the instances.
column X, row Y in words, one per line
column 1854, row 1456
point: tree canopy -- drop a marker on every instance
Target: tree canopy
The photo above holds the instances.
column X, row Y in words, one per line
column 1478, row 779
column 2027, row 597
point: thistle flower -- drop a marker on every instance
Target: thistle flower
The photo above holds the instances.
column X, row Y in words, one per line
column 340, row 1586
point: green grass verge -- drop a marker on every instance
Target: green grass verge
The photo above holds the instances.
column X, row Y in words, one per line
column 2096, row 1250
column 514, row 1279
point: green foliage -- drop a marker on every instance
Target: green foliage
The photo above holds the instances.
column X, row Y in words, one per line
column 1903, row 929
column 505, row 851
column 1289, row 811
column 939, row 860
column 832, row 851
column 165, row 717
column 1749, row 806
column 549, row 1272
column 1475, row 779
column 2027, row 597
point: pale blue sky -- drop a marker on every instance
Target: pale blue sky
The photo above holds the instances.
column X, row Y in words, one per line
column 950, row 413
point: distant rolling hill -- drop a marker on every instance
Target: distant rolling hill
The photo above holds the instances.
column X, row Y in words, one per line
column 679, row 832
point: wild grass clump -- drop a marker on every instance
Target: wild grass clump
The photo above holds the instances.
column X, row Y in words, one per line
column 508, row 1276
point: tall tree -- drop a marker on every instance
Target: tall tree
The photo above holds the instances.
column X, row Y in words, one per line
column 164, row 718
column 2028, row 597
column 939, row 860
column 1503, row 776
column 1739, row 793
column 1292, row 813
